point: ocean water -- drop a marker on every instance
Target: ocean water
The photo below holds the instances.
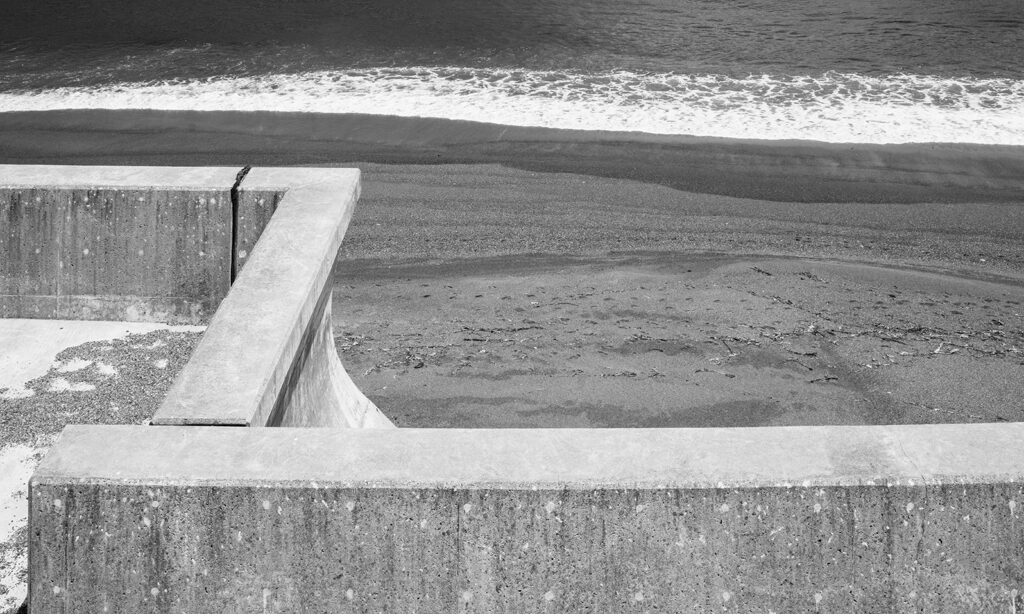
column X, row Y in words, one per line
column 876, row 71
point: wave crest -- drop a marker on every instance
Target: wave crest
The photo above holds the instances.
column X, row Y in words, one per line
column 834, row 107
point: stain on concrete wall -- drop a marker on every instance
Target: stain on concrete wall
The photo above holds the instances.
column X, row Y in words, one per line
column 114, row 254
column 254, row 210
column 884, row 548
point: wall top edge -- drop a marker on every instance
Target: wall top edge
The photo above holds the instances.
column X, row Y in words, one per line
column 526, row 459
column 296, row 178
column 23, row 176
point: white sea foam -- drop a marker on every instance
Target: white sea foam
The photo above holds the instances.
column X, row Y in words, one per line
column 835, row 107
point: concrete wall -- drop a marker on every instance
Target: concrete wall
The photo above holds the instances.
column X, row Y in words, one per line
column 799, row 519
column 254, row 210
column 165, row 243
column 317, row 391
column 268, row 355
column 114, row 242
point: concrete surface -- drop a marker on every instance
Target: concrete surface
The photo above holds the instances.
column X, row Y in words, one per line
column 319, row 392
column 250, row 367
column 28, row 347
column 115, row 243
column 254, row 210
column 186, row 517
column 829, row 519
column 53, row 372
column 16, row 465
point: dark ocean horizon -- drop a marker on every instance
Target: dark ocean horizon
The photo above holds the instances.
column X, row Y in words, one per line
column 852, row 71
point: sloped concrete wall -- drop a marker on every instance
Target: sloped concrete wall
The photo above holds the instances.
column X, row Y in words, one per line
column 318, row 392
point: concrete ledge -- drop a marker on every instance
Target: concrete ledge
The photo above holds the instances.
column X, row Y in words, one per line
column 268, row 356
column 67, row 177
column 764, row 457
column 831, row 519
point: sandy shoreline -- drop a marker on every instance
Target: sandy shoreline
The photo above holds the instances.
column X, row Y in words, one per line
column 559, row 278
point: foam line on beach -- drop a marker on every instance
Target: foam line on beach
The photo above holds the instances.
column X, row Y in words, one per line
column 835, row 107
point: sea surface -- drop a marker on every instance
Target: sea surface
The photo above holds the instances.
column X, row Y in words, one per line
column 876, row 71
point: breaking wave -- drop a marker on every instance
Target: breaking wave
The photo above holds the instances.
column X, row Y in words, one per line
column 833, row 107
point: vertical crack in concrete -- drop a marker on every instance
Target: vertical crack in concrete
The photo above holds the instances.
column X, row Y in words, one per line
column 234, row 221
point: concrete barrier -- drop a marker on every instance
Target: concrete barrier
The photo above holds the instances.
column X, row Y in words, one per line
column 115, row 243
column 166, row 244
column 788, row 519
column 268, row 355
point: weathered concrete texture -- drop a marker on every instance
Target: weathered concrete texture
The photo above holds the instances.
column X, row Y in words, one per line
column 318, row 391
column 267, row 357
column 28, row 347
column 254, row 209
column 114, row 243
column 831, row 519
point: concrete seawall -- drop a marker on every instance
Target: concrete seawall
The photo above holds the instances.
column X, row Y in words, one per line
column 795, row 519
column 268, row 356
column 168, row 244
column 114, row 243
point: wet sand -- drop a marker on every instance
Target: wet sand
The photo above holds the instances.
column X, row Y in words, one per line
column 784, row 171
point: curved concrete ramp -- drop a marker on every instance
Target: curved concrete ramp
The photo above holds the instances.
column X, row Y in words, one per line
column 324, row 394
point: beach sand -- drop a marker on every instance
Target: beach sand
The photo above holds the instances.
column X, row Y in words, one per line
column 493, row 297
column 502, row 276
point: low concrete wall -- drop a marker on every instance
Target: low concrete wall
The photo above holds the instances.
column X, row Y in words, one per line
column 165, row 244
column 797, row 519
column 122, row 243
column 268, row 355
